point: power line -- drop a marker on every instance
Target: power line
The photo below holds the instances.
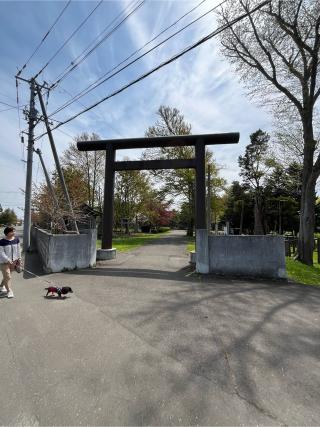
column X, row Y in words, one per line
column 99, row 82
column 11, row 106
column 86, row 52
column 8, row 105
column 43, row 38
column 6, row 96
column 69, row 38
column 7, row 109
column 83, row 105
column 172, row 59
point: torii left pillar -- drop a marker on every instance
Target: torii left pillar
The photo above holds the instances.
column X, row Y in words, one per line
column 108, row 203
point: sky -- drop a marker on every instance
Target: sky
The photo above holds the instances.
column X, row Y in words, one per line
column 201, row 84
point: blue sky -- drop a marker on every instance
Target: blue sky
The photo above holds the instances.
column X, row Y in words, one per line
column 200, row 84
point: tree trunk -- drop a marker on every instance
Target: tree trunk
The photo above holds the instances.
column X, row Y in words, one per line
column 191, row 210
column 258, row 217
column 307, row 206
column 190, row 227
column 307, row 222
column 88, row 178
column 94, row 180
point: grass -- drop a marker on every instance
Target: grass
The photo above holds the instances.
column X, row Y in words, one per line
column 304, row 273
column 127, row 243
column 297, row 271
column 191, row 245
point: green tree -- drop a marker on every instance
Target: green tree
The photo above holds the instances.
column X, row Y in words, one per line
column 276, row 52
column 239, row 210
column 132, row 192
column 283, row 193
column 254, row 165
column 179, row 183
column 8, row 217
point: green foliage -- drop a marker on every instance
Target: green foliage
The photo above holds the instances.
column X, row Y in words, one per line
column 8, row 217
column 163, row 229
column 191, row 245
column 124, row 244
column 270, row 194
column 254, row 164
column 179, row 183
column 305, row 274
column 239, row 197
column 132, row 191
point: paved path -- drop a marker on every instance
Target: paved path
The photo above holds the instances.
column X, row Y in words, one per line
column 143, row 341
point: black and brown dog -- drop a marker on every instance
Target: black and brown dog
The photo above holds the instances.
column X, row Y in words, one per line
column 64, row 290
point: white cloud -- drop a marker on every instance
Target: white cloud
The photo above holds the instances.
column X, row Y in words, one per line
column 200, row 84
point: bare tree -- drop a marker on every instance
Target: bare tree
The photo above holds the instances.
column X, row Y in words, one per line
column 91, row 163
column 276, row 52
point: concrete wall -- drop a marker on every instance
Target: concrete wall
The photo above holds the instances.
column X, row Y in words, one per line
column 60, row 252
column 259, row 256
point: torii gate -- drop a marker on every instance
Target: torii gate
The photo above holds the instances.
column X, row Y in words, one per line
column 197, row 163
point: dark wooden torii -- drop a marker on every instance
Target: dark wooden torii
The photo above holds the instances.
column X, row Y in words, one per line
column 197, row 163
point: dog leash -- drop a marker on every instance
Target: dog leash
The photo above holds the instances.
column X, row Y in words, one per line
column 39, row 277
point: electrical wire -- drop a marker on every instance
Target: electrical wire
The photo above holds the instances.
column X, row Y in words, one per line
column 68, row 39
column 7, row 109
column 170, row 60
column 12, row 106
column 85, row 106
column 43, row 38
column 99, row 82
column 86, row 53
column 7, row 105
column 6, row 96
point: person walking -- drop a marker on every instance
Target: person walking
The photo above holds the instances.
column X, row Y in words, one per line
column 10, row 258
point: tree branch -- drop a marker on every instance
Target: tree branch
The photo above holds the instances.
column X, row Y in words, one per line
column 315, row 61
column 261, row 68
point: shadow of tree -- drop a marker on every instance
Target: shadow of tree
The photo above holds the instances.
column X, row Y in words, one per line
column 250, row 339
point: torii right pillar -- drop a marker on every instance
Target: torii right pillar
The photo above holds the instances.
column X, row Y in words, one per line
column 202, row 241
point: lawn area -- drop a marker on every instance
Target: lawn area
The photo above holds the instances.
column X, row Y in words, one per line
column 191, row 244
column 296, row 270
column 304, row 273
column 126, row 243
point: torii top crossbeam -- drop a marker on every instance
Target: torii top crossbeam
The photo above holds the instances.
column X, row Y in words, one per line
column 162, row 141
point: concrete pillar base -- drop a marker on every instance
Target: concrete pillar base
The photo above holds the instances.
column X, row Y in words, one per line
column 106, row 254
column 202, row 251
column 193, row 258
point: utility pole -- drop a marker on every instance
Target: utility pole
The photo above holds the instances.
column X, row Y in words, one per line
column 27, row 204
column 209, row 200
column 56, row 159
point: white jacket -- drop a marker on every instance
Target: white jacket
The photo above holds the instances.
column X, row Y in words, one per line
column 9, row 250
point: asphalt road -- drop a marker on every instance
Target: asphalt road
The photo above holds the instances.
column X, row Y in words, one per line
column 144, row 341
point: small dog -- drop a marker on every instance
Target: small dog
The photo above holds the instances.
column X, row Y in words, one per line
column 64, row 290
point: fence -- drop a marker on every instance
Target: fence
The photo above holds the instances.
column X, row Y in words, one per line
column 291, row 246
